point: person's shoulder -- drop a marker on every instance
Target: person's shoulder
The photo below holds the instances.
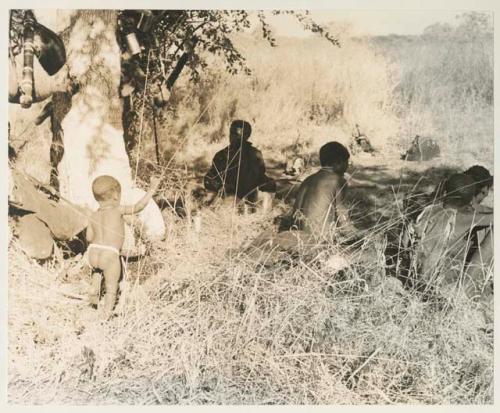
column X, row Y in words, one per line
column 439, row 214
column 100, row 211
column 248, row 147
column 221, row 154
column 320, row 180
column 311, row 178
column 430, row 211
column 251, row 147
column 331, row 178
column 93, row 214
column 222, row 151
column 467, row 210
column 111, row 212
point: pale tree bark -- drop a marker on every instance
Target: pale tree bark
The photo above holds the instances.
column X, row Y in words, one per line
column 87, row 127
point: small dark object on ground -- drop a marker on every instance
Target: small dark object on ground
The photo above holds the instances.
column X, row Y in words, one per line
column 422, row 149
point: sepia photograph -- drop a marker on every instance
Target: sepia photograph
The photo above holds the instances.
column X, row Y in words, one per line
column 249, row 206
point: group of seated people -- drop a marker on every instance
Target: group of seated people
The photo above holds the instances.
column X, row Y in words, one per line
column 451, row 236
column 444, row 233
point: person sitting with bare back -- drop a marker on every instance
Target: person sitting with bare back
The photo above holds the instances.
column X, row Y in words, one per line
column 319, row 207
column 105, row 234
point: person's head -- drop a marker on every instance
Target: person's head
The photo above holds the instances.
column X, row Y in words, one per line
column 334, row 155
column 483, row 181
column 458, row 190
column 239, row 131
column 106, row 189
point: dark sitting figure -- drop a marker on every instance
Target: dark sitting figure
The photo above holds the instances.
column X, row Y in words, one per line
column 319, row 208
column 239, row 168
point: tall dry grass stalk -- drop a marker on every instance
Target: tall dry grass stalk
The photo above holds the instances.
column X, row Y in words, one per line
column 198, row 325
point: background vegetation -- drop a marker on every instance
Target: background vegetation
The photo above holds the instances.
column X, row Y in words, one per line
column 200, row 323
column 438, row 85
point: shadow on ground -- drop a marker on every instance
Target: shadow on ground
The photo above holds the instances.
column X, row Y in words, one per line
column 374, row 191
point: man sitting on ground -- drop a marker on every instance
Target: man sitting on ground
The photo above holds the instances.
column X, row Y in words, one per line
column 319, row 213
column 239, row 168
column 319, row 207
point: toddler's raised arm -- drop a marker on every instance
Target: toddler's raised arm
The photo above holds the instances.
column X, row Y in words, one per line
column 141, row 204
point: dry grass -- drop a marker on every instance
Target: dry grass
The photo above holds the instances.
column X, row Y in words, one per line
column 302, row 90
column 445, row 91
column 309, row 91
column 198, row 326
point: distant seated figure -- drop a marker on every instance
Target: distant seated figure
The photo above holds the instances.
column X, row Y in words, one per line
column 319, row 207
column 443, row 231
column 239, row 168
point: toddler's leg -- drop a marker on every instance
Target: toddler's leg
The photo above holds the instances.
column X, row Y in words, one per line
column 111, row 278
column 95, row 287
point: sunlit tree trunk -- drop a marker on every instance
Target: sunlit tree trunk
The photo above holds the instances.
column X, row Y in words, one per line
column 86, row 128
column 91, row 124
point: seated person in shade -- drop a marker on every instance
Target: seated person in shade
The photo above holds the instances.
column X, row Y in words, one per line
column 319, row 208
column 239, row 168
column 444, row 231
column 319, row 213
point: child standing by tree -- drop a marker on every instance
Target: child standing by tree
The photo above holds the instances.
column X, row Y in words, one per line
column 106, row 235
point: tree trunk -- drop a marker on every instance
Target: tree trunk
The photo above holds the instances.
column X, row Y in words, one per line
column 92, row 130
column 90, row 122
column 86, row 128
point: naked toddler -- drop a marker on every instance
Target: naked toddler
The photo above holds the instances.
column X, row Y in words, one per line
column 105, row 233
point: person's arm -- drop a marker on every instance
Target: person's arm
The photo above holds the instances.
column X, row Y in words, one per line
column 296, row 216
column 468, row 221
column 266, row 184
column 483, row 220
column 89, row 231
column 142, row 203
column 213, row 179
column 354, row 182
column 344, row 222
column 482, row 209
